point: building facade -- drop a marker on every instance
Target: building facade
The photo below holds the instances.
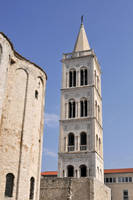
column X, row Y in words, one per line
column 81, row 134
column 121, row 183
column 22, row 91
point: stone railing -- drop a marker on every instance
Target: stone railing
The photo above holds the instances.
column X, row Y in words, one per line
column 83, row 147
column 71, row 148
column 78, row 54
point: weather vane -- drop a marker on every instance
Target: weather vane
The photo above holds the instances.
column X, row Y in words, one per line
column 82, row 19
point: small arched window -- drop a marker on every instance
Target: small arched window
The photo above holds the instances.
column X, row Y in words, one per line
column 83, row 171
column 83, row 141
column 9, row 185
column 72, row 78
column 83, row 76
column 70, row 171
column 36, row 94
column 71, row 109
column 83, row 108
column 32, row 185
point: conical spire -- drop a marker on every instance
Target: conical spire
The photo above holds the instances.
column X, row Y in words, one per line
column 82, row 43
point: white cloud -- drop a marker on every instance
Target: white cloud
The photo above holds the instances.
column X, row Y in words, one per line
column 50, row 153
column 51, row 120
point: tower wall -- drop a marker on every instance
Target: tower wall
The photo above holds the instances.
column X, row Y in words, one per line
column 22, row 89
column 92, row 156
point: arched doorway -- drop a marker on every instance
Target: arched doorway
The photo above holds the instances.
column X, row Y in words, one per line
column 70, row 171
column 83, row 171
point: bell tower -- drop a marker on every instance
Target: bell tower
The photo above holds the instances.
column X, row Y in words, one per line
column 81, row 134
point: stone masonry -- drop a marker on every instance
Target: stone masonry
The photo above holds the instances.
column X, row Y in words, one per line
column 73, row 189
column 22, row 91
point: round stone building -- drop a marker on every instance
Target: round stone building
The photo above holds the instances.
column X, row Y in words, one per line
column 22, row 91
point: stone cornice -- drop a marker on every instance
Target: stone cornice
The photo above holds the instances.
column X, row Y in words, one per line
column 80, row 119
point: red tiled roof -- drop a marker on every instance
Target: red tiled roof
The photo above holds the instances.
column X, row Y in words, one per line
column 113, row 171
column 106, row 171
column 49, row 173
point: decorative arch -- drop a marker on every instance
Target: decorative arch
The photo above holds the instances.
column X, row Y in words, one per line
column 83, row 76
column 72, row 108
column 70, row 171
column 9, row 185
column 83, row 170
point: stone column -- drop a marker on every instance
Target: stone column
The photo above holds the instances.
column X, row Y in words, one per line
column 66, row 79
column 78, row 173
column 66, row 144
column 77, row 80
column 77, row 109
column 79, row 143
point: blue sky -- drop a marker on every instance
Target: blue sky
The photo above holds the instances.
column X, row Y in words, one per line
column 41, row 30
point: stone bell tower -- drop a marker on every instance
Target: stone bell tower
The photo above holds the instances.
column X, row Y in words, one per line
column 81, row 134
column 22, row 92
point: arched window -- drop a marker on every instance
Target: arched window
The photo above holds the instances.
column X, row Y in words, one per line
column 32, row 185
column 72, row 78
column 83, row 171
column 83, row 141
column 36, row 94
column 70, row 171
column 71, row 142
column 71, row 109
column 9, row 185
column 83, row 76
column 83, row 108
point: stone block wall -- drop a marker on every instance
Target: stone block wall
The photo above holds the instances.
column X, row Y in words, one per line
column 53, row 188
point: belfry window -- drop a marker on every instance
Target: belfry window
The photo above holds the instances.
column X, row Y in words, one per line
column 83, row 77
column 83, row 108
column 9, row 185
column 83, row 141
column 71, row 142
column 70, row 171
column 83, row 171
column 72, row 78
column 71, row 109
column 32, row 185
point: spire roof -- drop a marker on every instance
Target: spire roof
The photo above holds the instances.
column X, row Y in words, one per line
column 82, row 43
